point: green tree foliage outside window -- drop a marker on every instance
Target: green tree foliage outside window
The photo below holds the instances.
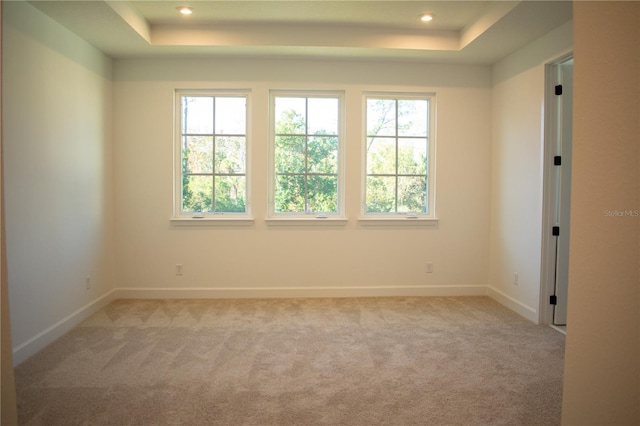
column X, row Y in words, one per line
column 397, row 155
column 213, row 145
column 306, row 155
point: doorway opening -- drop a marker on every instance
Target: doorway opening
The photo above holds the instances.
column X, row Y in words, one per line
column 557, row 192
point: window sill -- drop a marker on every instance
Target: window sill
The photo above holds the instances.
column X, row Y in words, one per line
column 304, row 221
column 404, row 221
column 209, row 221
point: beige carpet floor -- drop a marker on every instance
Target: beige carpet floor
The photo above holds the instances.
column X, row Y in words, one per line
column 360, row 361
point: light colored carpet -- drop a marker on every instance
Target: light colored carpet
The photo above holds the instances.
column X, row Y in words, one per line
column 360, row 361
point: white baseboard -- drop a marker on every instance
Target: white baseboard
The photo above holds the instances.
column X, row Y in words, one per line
column 520, row 308
column 57, row 330
column 293, row 292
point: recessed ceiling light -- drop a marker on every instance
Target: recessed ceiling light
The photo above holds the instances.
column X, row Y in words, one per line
column 185, row 10
column 427, row 17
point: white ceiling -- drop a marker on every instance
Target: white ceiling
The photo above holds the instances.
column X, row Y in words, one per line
column 479, row 32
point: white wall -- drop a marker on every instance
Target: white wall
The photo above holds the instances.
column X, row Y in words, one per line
column 261, row 259
column 516, row 181
column 602, row 361
column 58, row 174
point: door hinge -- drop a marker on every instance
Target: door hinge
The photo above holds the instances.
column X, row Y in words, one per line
column 557, row 160
column 553, row 300
column 558, row 90
column 555, row 231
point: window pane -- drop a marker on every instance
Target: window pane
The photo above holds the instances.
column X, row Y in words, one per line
column 323, row 192
column 412, row 117
column 197, row 154
column 197, row 194
column 213, row 149
column 381, row 156
column 231, row 116
column 230, row 155
column 306, row 150
column 397, row 155
column 290, row 116
column 230, row 193
column 412, row 194
column 323, row 155
column 289, row 194
column 412, row 156
column 197, row 115
column 323, row 116
column 289, row 155
column 381, row 194
column 381, row 117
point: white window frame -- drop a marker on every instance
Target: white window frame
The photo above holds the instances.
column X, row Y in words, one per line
column 429, row 218
column 284, row 218
column 228, row 218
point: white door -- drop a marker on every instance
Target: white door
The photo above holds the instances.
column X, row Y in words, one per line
column 563, row 91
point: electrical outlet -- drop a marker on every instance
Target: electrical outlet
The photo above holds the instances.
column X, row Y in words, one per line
column 87, row 282
column 428, row 268
column 179, row 269
column 515, row 278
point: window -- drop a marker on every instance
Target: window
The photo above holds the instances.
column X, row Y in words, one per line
column 306, row 154
column 211, row 153
column 399, row 150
